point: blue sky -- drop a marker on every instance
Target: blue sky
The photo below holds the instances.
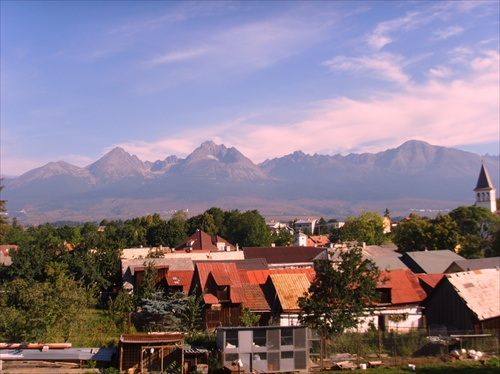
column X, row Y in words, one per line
column 158, row 78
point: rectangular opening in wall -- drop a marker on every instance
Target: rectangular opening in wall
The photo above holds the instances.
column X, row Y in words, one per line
column 286, row 336
column 231, row 339
column 259, row 338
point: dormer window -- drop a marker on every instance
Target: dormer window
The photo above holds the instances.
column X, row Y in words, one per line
column 385, row 295
column 223, row 293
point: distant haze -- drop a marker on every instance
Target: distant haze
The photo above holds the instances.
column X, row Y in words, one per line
column 414, row 177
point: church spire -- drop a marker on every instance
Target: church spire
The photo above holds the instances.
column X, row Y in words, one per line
column 485, row 192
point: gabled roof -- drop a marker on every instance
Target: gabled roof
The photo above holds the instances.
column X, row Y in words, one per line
column 430, row 262
column 474, row 264
column 480, row 290
column 318, row 240
column 256, row 297
column 180, row 278
column 201, row 241
column 484, row 181
column 405, row 287
column 429, row 281
column 289, row 287
column 213, row 274
column 260, row 276
column 245, row 264
column 280, row 255
column 310, row 273
column 389, row 263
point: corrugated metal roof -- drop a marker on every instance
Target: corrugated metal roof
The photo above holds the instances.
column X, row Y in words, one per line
column 430, row 262
column 257, row 276
column 289, row 287
column 480, row 290
column 474, row 264
column 151, row 338
column 405, row 287
column 176, row 278
column 430, row 279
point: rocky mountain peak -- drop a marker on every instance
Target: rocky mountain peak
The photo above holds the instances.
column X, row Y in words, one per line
column 117, row 164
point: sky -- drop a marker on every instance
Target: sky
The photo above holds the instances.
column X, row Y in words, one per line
column 158, row 78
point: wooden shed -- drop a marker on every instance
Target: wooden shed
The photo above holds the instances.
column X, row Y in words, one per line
column 143, row 353
column 466, row 302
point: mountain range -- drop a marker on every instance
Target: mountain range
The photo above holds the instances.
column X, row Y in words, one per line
column 415, row 176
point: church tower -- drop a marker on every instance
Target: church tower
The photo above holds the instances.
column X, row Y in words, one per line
column 485, row 192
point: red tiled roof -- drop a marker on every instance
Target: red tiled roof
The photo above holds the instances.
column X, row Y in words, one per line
column 289, row 287
column 309, row 272
column 213, row 274
column 404, row 285
column 255, row 297
column 201, row 241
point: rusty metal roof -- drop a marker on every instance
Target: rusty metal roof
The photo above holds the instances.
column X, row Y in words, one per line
column 405, row 287
column 289, row 287
column 177, row 278
column 222, row 274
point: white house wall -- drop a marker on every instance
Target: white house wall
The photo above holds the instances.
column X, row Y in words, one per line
column 414, row 320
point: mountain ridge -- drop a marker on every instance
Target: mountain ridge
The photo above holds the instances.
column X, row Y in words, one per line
column 120, row 184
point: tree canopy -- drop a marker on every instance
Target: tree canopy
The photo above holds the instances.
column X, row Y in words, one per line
column 341, row 293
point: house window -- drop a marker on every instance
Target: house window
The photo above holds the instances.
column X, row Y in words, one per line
column 259, row 338
column 231, row 339
column 287, row 354
column 223, row 293
column 287, row 337
column 385, row 295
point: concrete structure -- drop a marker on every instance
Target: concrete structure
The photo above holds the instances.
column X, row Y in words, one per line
column 269, row 349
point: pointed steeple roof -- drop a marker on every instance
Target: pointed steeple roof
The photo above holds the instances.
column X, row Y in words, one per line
column 484, row 181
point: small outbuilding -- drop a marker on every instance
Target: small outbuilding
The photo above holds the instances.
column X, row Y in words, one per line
column 157, row 352
column 466, row 302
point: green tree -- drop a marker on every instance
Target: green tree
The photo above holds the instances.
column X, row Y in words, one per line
column 476, row 226
column 412, row 234
column 191, row 312
column 443, row 233
column 119, row 309
column 248, row 229
column 4, row 224
column 15, row 233
column 282, row 238
column 367, row 228
column 249, row 318
column 341, row 293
